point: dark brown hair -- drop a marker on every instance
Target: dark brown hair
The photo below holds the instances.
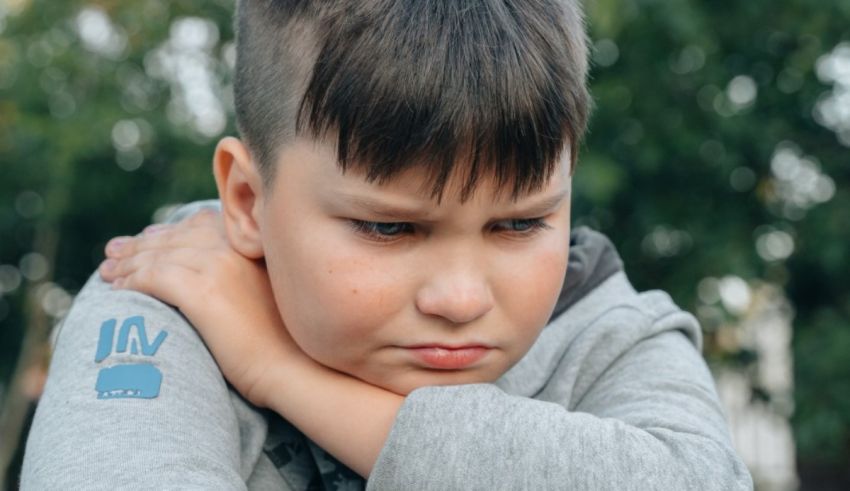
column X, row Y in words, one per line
column 480, row 87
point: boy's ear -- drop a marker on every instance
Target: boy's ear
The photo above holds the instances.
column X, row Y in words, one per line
column 240, row 188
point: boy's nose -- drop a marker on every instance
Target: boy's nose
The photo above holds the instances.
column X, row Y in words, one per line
column 459, row 297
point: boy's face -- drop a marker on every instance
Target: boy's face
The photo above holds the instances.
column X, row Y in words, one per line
column 383, row 283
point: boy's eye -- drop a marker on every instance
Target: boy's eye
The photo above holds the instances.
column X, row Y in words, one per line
column 381, row 230
column 390, row 231
column 522, row 226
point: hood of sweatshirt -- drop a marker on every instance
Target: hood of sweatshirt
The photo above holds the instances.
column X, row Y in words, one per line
column 593, row 259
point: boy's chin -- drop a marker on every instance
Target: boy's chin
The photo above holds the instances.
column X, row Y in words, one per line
column 407, row 383
column 403, row 380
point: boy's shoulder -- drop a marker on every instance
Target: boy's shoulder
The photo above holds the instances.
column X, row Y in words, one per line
column 596, row 287
column 128, row 323
column 131, row 380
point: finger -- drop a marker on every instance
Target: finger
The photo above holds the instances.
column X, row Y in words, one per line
column 155, row 228
column 117, row 246
column 165, row 282
column 205, row 216
column 107, row 269
column 114, row 268
column 204, row 221
column 182, row 235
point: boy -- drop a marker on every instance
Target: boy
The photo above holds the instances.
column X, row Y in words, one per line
column 394, row 236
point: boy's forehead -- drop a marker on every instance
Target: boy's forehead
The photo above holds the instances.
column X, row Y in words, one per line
column 415, row 181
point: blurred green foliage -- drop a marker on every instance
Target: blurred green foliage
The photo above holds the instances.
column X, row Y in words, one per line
column 698, row 103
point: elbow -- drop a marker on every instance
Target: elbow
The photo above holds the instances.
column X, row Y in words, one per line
column 731, row 472
column 725, row 470
column 706, row 463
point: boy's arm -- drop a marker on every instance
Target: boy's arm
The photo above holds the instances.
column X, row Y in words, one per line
column 134, row 399
column 649, row 419
column 646, row 417
column 345, row 416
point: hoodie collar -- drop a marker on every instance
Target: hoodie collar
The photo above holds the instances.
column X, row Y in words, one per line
column 593, row 259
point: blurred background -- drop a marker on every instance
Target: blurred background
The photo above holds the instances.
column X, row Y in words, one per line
column 717, row 161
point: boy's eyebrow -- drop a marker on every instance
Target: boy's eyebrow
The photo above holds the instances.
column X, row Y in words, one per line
column 385, row 211
column 545, row 205
column 388, row 211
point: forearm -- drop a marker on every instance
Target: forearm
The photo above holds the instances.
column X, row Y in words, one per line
column 346, row 416
column 481, row 438
column 635, row 428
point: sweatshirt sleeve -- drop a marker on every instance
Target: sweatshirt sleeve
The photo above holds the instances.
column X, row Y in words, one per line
column 640, row 415
column 134, row 400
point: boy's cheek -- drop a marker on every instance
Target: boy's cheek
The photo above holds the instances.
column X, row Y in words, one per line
column 528, row 301
column 350, row 299
column 532, row 293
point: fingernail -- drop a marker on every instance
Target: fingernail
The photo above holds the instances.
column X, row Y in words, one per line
column 115, row 245
column 152, row 229
column 109, row 265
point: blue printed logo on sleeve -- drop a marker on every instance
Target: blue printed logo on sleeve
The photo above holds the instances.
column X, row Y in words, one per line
column 128, row 380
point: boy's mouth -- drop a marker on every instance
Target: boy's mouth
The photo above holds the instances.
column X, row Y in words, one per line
column 442, row 357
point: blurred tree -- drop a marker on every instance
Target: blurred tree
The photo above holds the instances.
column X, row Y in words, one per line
column 715, row 151
column 719, row 147
column 105, row 115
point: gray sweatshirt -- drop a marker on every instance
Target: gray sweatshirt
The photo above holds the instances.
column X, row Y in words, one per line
column 614, row 394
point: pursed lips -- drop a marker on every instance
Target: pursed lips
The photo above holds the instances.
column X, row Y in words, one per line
column 448, row 357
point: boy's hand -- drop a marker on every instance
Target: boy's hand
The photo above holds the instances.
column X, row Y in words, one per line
column 229, row 300
column 225, row 295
